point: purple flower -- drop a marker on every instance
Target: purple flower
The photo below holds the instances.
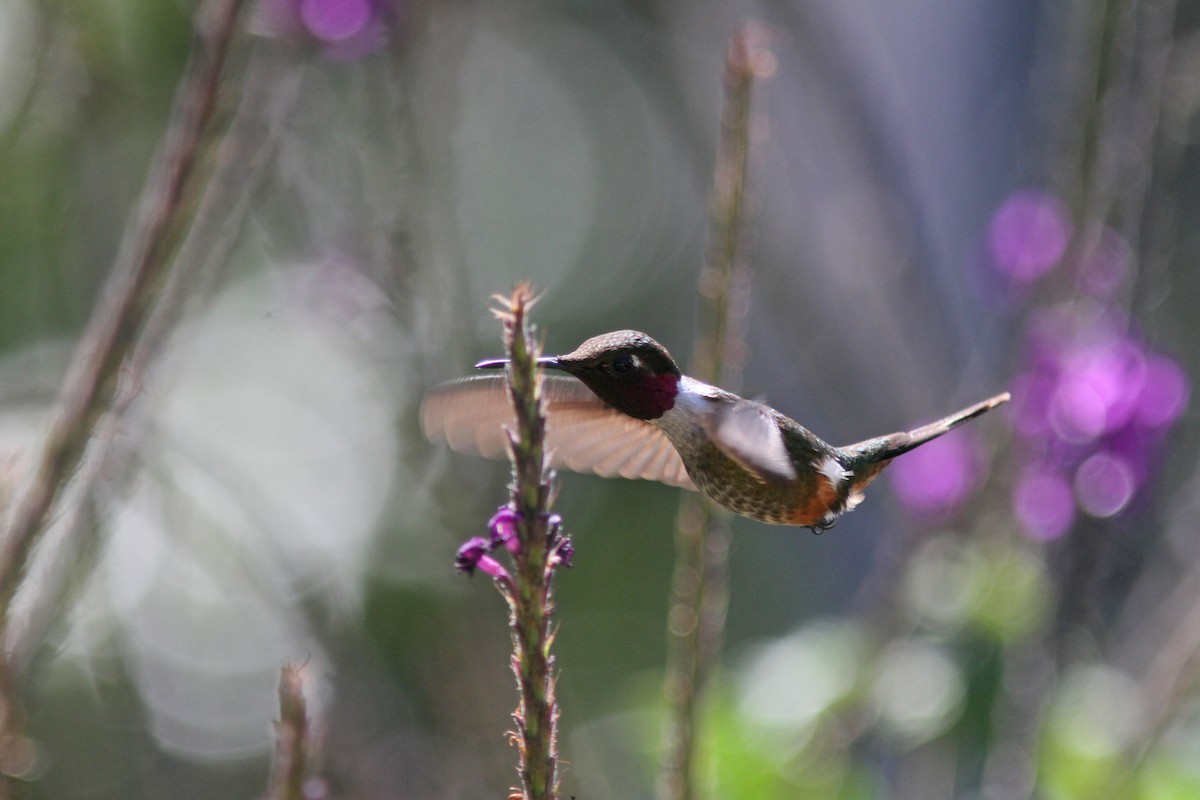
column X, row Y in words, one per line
column 1092, row 403
column 1097, row 391
column 474, row 555
column 1028, row 235
column 502, row 532
column 1043, row 503
column 939, row 476
column 1093, row 380
column 469, row 555
column 1093, row 407
column 503, row 527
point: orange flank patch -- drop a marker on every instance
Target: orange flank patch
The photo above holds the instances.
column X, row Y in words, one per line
column 813, row 506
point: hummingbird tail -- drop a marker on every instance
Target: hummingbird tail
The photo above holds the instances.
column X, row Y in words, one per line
column 882, row 449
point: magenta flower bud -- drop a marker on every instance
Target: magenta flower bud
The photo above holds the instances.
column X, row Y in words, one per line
column 503, row 527
column 471, row 553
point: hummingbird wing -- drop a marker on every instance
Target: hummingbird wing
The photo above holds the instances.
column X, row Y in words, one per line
column 582, row 433
column 748, row 433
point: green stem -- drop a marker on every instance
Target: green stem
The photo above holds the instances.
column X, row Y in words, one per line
column 699, row 591
column 531, row 601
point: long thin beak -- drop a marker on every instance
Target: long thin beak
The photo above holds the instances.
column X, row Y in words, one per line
column 492, row 363
column 548, row 362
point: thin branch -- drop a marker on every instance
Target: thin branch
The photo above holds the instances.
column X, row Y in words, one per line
column 266, row 94
column 91, row 384
column 291, row 737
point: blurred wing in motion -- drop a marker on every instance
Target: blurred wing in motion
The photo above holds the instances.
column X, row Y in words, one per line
column 582, row 433
column 748, row 433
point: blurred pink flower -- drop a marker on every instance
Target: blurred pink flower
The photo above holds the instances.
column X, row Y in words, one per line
column 344, row 30
column 1092, row 407
column 1164, row 394
column 1092, row 403
column 938, row 477
column 1097, row 389
column 1044, row 504
column 335, row 20
column 1028, row 235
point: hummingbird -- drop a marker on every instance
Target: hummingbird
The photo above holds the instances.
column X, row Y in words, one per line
column 625, row 409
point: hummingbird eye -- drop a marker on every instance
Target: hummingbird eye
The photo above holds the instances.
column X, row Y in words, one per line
column 623, row 363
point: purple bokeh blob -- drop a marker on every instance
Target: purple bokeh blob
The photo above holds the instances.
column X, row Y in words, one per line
column 1044, row 503
column 939, row 476
column 335, row 20
column 1028, row 235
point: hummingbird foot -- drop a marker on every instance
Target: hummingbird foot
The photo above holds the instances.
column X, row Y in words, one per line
column 823, row 525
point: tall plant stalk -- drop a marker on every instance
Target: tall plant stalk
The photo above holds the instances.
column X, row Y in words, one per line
column 290, row 765
column 530, row 601
column 91, row 384
column 93, row 381
column 532, row 536
column 699, row 589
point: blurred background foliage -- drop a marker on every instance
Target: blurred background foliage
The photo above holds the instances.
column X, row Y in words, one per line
column 949, row 199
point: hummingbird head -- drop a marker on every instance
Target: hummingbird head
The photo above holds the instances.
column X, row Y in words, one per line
column 626, row 369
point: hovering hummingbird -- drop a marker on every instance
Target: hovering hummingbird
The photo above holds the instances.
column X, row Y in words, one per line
column 626, row 410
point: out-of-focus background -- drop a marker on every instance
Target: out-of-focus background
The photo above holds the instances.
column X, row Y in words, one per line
column 948, row 199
